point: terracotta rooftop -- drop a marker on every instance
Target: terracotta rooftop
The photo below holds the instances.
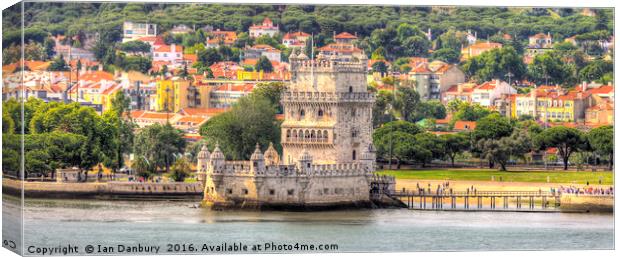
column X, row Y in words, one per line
column 345, row 35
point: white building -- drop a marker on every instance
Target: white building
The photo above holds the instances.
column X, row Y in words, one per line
column 266, row 28
column 486, row 93
column 133, row 31
column 172, row 54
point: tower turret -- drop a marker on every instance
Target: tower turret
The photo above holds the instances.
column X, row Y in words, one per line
column 271, row 156
column 217, row 158
column 258, row 160
column 203, row 162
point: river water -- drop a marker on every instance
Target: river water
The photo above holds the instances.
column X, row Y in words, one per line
column 50, row 223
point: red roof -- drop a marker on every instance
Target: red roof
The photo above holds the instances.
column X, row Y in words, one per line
column 204, row 112
column 235, row 88
column 168, row 49
column 96, row 76
column 295, row 35
column 345, row 35
column 606, row 89
column 465, row 125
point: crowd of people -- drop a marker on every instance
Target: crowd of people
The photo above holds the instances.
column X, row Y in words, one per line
column 587, row 190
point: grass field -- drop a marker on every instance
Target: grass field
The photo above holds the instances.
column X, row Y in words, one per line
column 507, row 176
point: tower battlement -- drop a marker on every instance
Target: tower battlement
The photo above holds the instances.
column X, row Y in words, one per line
column 327, row 97
column 328, row 66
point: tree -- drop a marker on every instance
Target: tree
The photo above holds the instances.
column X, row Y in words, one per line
column 384, row 138
column 596, row 70
column 271, row 91
column 447, row 55
column 552, row 68
column 382, row 109
column 180, row 170
column 566, row 140
column 406, row 102
column 602, row 141
column 453, row 144
column 135, row 46
column 380, row 67
column 209, row 56
column 263, row 64
column 58, row 64
column 495, row 64
column 159, row 145
column 427, row 143
column 493, row 126
column 495, row 150
column 251, row 120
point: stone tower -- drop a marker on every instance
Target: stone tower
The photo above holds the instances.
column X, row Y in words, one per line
column 327, row 108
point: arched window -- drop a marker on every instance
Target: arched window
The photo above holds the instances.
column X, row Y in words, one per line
column 301, row 135
column 295, row 135
column 319, row 136
column 302, row 113
column 312, row 135
column 353, row 155
column 350, row 89
column 320, row 113
column 288, row 135
column 352, row 112
column 307, row 134
column 325, row 135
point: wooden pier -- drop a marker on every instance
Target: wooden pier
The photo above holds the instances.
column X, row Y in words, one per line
column 520, row 201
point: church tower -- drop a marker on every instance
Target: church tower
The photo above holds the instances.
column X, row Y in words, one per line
column 327, row 108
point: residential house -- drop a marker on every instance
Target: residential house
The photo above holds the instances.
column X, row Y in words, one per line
column 538, row 44
column 172, row 94
column 221, row 37
column 133, row 31
column 172, row 54
column 266, row 28
column 225, row 95
column 464, row 126
column 477, row 49
column 486, row 93
column 295, row 39
column 256, row 51
column 431, row 79
column 181, row 29
column 343, row 48
column 602, row 113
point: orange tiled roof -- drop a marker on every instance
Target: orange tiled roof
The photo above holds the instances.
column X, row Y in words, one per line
column 168, row 49
column 461, row 125
column 202, row 111
column 345, row 35
column 606, row 89
column 96, row 76
column 485, row 45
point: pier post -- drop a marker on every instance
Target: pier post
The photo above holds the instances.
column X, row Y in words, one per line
column 505, row 202
column 518, row 202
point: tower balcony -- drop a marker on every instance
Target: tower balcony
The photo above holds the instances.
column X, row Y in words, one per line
column 327, row 97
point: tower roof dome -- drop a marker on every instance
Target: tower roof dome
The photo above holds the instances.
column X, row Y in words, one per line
column 204, row 152
column 217, row 153
column 257, row 155
column 271, row 155
column 302, row 56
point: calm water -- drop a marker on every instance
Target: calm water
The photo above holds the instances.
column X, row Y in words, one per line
column 81, row 222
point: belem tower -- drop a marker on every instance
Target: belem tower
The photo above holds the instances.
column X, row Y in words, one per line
column 327, row 159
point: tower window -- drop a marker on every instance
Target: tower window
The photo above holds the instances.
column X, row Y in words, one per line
column 272, row 192
column 291, row 191
column 354, row 155
column 350, row 89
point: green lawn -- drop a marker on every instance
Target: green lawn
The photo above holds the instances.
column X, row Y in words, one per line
column 509, row 176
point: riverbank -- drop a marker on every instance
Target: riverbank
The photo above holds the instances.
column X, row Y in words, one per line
column 493, row 175
column 106, row 190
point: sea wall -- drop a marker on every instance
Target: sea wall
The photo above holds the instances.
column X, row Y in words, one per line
column 586, row 203
column 103, row 190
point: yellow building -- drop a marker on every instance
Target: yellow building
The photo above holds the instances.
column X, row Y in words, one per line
column 249, row 75
column 552, row 104
column 171, row 94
